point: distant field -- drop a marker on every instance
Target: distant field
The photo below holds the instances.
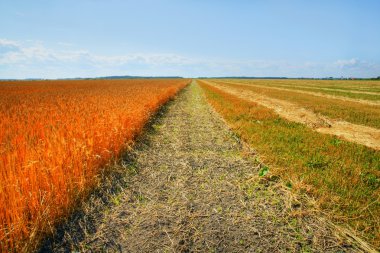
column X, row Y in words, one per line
column 343, row 176
column 335, row 85
column 55, row 138
column 355, row 120
column 358, row 109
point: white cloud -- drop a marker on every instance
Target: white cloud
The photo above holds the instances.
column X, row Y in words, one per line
column 347, row 63
column 39, row 53
column 8, row 46
column 356, row 68
column 5, row 42
column 33, row 59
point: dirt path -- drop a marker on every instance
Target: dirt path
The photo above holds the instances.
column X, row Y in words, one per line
column 313, row 93
column 196, row 191
column 364, row 135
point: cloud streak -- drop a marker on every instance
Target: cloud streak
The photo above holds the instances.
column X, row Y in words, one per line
column 14, row 52
column 33, row 59
column 347, row 63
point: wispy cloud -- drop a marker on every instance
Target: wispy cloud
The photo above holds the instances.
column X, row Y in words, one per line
column 15, row 52
column 34, row 59
column 356, row 67
column 347, row 63
column 5, row 42
column 17, row 59
column 7, row 46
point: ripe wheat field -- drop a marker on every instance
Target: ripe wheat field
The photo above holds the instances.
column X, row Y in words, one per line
column 56, row 137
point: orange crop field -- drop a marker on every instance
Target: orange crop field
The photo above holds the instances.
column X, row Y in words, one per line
column 55, row 136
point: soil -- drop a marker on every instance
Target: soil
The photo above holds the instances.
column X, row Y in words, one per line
column 360, row 134
column 190, row 185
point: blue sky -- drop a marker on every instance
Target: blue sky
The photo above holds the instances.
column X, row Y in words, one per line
column 87, row 38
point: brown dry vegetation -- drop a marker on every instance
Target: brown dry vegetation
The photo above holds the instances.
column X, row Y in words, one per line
column 364, row 135
column 349, row 86
column 356, row 113
column 369, row 100
column 342, row 90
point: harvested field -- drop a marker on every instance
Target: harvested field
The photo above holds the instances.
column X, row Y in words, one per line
column 351, row 90
column 372, row 100
column 337, row 92
column 195, row 188
column 364, row 135
column 371, row 86
column 342, row 176
column 353, row 112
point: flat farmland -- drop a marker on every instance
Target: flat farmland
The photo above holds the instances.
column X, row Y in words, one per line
column 361, row 89
column 322, row 137
column 357, row 120
column 56, row 137
column 183, row 165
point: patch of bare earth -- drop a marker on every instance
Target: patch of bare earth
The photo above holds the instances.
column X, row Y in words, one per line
column 196, row 189
column 360, row 134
